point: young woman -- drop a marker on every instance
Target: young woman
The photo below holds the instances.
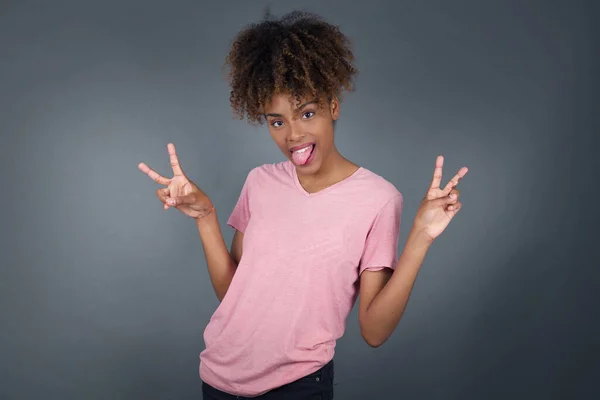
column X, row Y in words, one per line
column 312, row 233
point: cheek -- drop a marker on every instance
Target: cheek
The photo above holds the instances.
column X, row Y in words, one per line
column 284, row 149
column 325, row 136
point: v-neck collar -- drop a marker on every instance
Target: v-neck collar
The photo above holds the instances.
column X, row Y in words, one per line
column 322, row 191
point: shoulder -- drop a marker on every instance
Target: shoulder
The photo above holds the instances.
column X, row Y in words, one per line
column 275, row 169
column 368, row 195
column 269, row 174
column 381, row 191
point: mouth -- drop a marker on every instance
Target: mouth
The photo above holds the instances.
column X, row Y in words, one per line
column 304, row 154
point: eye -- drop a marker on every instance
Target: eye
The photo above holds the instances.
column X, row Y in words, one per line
column 308, row 114
column 274, row 124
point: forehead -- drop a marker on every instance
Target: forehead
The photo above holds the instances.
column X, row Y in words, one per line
column 285, row 103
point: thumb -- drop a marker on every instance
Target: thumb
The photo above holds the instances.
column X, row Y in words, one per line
column 181, row 200
column 442, row 201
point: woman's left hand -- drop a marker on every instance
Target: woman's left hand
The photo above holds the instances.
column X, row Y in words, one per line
column 439, row 205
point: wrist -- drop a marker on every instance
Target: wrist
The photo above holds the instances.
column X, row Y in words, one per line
column 206, row 212
column 419, row 238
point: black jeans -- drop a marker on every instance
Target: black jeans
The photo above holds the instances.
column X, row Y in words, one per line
column 316, row 386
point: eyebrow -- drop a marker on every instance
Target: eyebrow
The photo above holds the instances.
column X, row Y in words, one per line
column 297, row 109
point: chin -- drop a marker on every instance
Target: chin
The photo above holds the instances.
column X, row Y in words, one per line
column 311, row 169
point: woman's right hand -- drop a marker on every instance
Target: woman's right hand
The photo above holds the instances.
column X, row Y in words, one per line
column 180, row 192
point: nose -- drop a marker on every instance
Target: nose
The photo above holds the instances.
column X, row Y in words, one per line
column 295, row 133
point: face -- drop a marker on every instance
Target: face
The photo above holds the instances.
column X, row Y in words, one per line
column 303, row 131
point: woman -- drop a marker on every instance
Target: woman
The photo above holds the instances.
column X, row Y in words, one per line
column 311, row 233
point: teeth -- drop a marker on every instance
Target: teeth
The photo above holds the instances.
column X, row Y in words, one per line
column 303, row 150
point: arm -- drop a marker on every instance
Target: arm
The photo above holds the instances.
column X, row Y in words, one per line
column 221, row 263
column 384, row 295
column 184, row 195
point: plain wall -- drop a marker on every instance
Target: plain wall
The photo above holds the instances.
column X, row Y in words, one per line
column 103, row 295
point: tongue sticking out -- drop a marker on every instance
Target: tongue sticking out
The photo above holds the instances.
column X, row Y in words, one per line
column 301, row 156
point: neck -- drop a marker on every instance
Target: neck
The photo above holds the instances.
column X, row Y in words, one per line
column 335, row 167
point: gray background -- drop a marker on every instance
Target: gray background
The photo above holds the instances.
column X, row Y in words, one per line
column 103, row 295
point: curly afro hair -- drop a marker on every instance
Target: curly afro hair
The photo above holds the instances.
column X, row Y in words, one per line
column 299, row 54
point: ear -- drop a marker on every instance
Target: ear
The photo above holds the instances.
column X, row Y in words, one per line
column 334, row 108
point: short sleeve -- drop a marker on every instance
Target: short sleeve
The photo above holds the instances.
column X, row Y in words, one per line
column 381, row 246
column 240, row 216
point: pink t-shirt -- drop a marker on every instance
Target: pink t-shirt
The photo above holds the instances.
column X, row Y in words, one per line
column 297, row 279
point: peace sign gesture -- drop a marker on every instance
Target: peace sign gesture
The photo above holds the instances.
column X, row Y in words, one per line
column 439, row 205
column 180, row 192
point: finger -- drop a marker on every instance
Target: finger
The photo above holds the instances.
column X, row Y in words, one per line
column 443, row 201
column 174, row 160
column 437, row 173
column 456, row 179
column 161, row 180
column 178, row 201
column 453, row 209
column 163, row 194
column 454, row 206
